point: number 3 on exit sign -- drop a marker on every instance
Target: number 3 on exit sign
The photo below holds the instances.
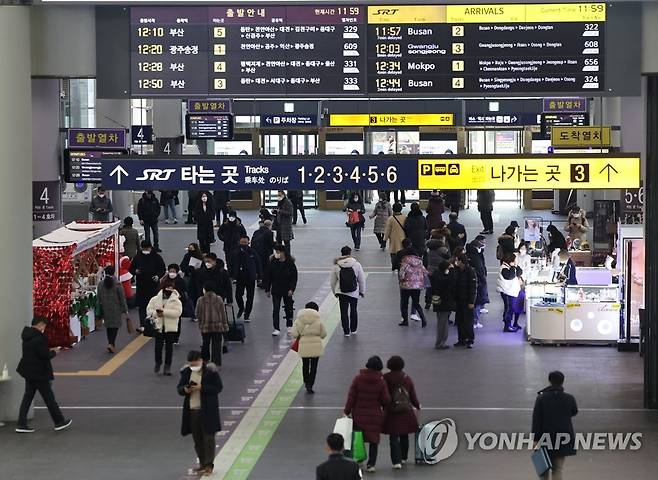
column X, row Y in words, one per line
column 580, row 172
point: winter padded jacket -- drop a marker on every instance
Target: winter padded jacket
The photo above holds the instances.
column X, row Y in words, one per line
column 148, row 209
column 211, row 313
column 35, row 363
column 552, row 416
column 508, row 280
column 348, row 262
column 367, row 398
column 412, row 273
column 280, row 276
column 172, row 309
column 310, row 330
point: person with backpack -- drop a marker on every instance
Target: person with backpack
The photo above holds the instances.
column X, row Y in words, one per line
column 413, row 278
column 348, row 282
column 400, row 419
column 355, row 219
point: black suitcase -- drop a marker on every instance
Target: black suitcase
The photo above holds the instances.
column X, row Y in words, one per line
column 236, row 331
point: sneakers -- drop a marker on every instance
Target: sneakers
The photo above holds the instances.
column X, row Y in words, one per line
column 346, row 334
column 478, row 325
column 156, row 369
column 403, row 323
column 414, row 316
column 167, row 221
column 25, row 429
column 66, row 423
column 484, row 310
column 459, row 344
column 246, row 320
column 240, row 312
column 175, row 220
column 397, row 466
column 354, row 332
column 442, row 347
column 276, row 333
column 370, row 469
column 469, row 345
column 167, row 371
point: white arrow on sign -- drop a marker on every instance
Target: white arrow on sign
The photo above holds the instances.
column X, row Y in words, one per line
column 118, row 171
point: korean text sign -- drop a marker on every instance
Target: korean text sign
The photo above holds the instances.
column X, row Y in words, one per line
column 101, row 138
column 523, row 173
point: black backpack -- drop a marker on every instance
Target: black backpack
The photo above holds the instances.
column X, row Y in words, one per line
column 348, row 280
column 400, row 399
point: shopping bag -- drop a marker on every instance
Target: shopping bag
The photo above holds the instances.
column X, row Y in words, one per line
column 541, row 461
column 343, row 426
column 295, row 345
column 358, row 447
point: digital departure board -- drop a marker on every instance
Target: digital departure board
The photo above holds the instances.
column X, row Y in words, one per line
column 382, row 50
column 209, row 127
column 85, row 166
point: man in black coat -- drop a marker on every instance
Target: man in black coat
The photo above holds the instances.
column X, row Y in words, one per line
column 36, row 369
column 297, row 199
column 148, row 211
column 457, row 230
column 551, row 417
column 477, row 262
column 222, row 200
column 230, row 232
column 262, row 241
column 201, row 385
column 485, row 199
column 213, row 271
column 337, row 467
column 244, row 268
column 280, row 284
column 465, row 295
column 148, row 267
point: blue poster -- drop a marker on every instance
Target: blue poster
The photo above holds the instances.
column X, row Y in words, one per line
column 260, row 173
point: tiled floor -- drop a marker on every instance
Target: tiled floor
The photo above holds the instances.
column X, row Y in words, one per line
column 126, row 426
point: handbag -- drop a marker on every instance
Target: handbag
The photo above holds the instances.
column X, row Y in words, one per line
column 343, row 427
column 295, row 345
column 542, row 461
column 358, row 447
column 150, row 329
column 436, row 300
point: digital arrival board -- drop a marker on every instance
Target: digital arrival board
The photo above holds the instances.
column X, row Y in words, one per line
column 266, row 50
column 383, row 172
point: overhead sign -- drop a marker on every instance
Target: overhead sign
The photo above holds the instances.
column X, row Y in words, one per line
column 391, row 119
column 97, row 138
column 550, row 120
column 580, row 136
column 141, row 134
column 288, row 120
column 530, row 172
column 495, row 119
column 259, row 173
column 85, row 166
column 46, row 197
column 565, row 105
column 209, row 127
column 209, row 106
column 259, row 49
column 632, row 206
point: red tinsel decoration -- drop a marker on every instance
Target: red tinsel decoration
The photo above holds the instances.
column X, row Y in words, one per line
column 54, row 270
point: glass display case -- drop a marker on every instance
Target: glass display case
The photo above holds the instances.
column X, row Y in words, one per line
column 592, row 313
column 591, row 293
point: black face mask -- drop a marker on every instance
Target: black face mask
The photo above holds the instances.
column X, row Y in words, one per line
column 166, row 294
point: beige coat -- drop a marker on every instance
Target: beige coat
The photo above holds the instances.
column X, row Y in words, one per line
column 310, row 330
column 172, row 310
column 394, row 233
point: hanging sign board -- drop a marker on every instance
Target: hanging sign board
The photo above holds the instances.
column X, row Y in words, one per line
column 391, row 119
column 580, row 136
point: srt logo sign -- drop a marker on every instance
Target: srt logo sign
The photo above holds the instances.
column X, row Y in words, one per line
column 386, row 11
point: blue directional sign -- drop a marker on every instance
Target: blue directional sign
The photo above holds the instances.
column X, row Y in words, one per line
column 288, row 120
column 259, row 173
column 141, row 134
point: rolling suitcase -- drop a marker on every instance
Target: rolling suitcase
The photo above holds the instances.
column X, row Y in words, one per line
column 236, row 331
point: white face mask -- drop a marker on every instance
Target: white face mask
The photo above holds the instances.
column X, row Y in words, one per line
column 208, row 265
column 195, row 368
column 173, row 275
column 280, row 198
column 231, row 219
column 277, row 255
column 204, row 199
column 101, row 195
column 146, row 252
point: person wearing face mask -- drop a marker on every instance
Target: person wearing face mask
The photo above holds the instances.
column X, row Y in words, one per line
column 355, row 220
column 284, row 233
column 148, row 211
column 213, row 323
column 173, row 275
column 131, row 238
column 381, row 214
column 567, row 269
column 148, row 267
column 113, row 306
column 476, row 260
column 244, row 268
column 165, row 310
column 204, row 215
column 434, row 210
column 190, row 265
column 201, row 385
column 230, row 233
column 577, row 224
column 509, row 286
column 457, row 230
column 37, row 370
column 262, row 242
column 297, row 199
column 213, row 271
column 280, row 283
column 443, row 301
column 101, row 206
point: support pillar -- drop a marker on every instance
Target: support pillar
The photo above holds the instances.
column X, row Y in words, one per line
column 45, row 145
column 15, row 198
column 167, row 124
column 116, row 114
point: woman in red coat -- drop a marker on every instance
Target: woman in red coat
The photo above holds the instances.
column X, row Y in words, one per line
column 399, row 424
column 366, row 401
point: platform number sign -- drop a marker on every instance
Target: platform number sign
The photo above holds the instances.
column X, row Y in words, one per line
column 580, row 172
column 632, row 206
column 170, row 146
column 46, row 198
column 142, row 134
